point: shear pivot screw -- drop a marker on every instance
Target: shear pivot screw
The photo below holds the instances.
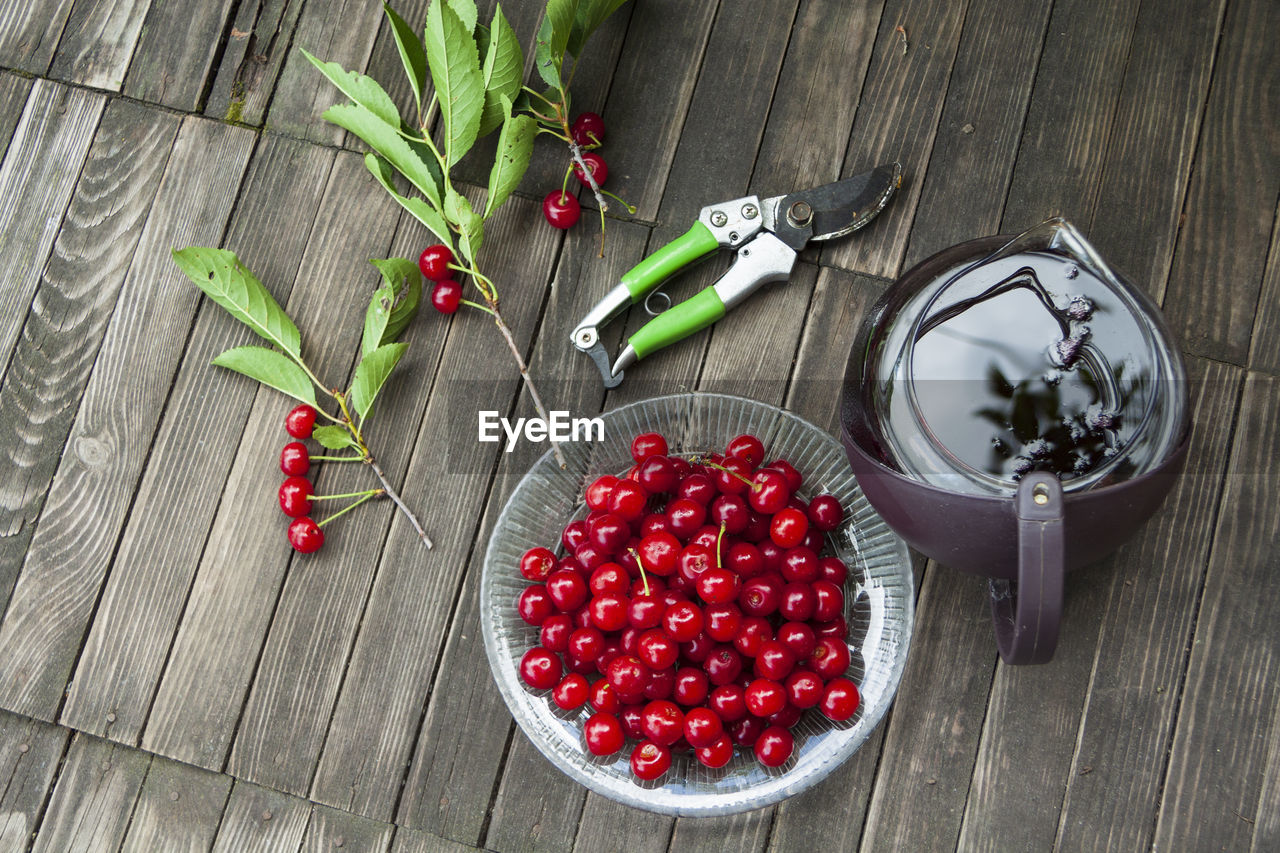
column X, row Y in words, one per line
column 800, row 214
column 749, row 211
column 718, row 218
column 1040, row 495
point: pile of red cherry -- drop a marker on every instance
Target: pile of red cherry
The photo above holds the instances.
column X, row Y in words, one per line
column 295, row 492
column 692, row 609
column 561, row 209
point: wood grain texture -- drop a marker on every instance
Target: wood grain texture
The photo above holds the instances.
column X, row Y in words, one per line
column 1149, row 155
column 417, row 841
column 98, row 42
column 30, row 753
column 603, row 823
column 973, row 155
column 97, row 477
column 1063, row 144
column 29, row 32
column 244, row 81
column 244, row 564
column 536, row 816
column 332, row 830
column 1153, row 590
column 37, row 178
column 1213, row 785
column 95, row 795
column 63, row 330
column 1264, row 349
column 339, row 31
column 143, row 599
column 259, row 820
column 316, row 621
column 897, row 119
column 178, row 809
column 175, row 53
column 741, row 832
column 1214, row 286
column 13, row 95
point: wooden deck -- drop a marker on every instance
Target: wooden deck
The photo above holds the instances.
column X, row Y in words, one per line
column 173, row 677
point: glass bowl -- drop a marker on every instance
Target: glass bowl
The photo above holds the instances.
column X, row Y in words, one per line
column 878, row 603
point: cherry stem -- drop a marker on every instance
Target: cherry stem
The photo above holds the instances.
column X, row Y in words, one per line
column 643, row 577
column 719, row 539
column 575, row 151
column 367, row 496
column 366, row 492
column 398, row 501
column 484, row 308
column 336, row 458
column 755, row 487
column 524, row 374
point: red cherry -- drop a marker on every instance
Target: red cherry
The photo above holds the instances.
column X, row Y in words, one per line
column 751, row 636
column 719, row 586
column 648, row 444
column 434, row 262
column 733, row 476
column 798, row 602
column 747, row 731
column 800, row 564
column 787, row 470
column 788, row 527
column 295, row 497
column 650, row 760
column 587, row 129
column 555, row 632
column 446, row 296
column 540, row 668
column 765, row 696
column 656, row 649
column 683, row 621
column 662, row 722
column 770, row 491
column 628, row 500
column 804, row 688
column 598, row 492
column 537, row 564
column 774, row 746
column 658, row 474
column 840, row 699
column 567, row 589
column 685, row 516
column 798, row 637
column 300, row 421
column 828, row 601
column 586, row 644
column 698, row 488
column 608, row 532
column 722, row 621
column 702, row 727
column 603, row 734
column 603, row 697
column 723, row 665
column 575, row 534
column 746, row 447
column 830, row 658
column 729, row 701
column 627, row 675
column 645, row 611
column 595, row 163
column 534, row 605
column 717, row 754
column 775, row 660
column 608, row 611
column 759, row 596
column 561, row 210
column 732, row 512
column 825, row 513
column 571, row 692
column 661, row 683
column 305, row 535
column 832, row 569
column 610, row 577
column 659, row 553
column 691, row 686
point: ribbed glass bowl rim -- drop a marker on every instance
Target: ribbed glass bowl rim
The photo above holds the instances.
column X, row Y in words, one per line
column 539, row 721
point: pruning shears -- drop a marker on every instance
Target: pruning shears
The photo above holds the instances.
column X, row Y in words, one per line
column 767, row 235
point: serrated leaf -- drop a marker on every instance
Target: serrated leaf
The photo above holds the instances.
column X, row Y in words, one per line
column 371, row 375
column 466, row 12
column 412, row 53
column 455, row 71
column 502, row 71
column 387, row 141
column 553, row 36
column 418, row 208
column 393, row 305
column 271, row 369
column 591, row 14
column 363, row 90
column 515, row 146
column 333, row 437
column 219, row 273
column 470, row 224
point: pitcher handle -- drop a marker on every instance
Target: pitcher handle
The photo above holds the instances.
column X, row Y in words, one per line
column 1027, row 618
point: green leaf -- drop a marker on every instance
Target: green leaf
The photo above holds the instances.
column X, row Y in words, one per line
column 591, row 14
column 371, row 375
column 363, row 90
column 387, row 141
column 421, row 210
column 515, row 146
column 393, row 305
column 333, row 437
column 270, row 368
column 553, row 36
column 502, row 72
column 455, row 71
column 466, row 12
column 412, row 53
column 469, row 223
column 219, row 273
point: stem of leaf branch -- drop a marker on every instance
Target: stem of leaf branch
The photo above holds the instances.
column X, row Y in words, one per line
column 576, row 151
column 528, row 380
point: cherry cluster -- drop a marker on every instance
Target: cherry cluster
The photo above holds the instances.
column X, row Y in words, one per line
column 692, row 609
column 296, row 492
column 434, row 264
column 561, row 209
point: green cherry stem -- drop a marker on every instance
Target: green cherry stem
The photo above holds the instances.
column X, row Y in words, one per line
column 347, row 509
column 337, row 459
column 643, row 577
column 719, row 540
column 362, row 494
column 485, row 308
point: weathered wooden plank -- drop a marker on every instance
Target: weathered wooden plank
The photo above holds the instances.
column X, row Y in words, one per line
column 1266, row 830
column 649, row 100
column 30, row 752
column 142, row 601
column 1226, row 226
column 897, row 119
column 259, row 819
column 467, row 725
column 29, row 32
column 1217, row 762
column 13, row 95
column 977, row 143
column 335, row 31
column 92, row 490
column 256, row 48
column 417, row 841
column 604, row 822
column 95, row 795
column 246, row 556
column 1113, row 781
column 320, row 609
column 1264, row 350
column 537, row 808
column 64, row 328
column 1150, row 151
column 37, row 177
column 380, row 710
column 179, row 808
column 98, row 41
column 331, row 830
column 175, row 53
